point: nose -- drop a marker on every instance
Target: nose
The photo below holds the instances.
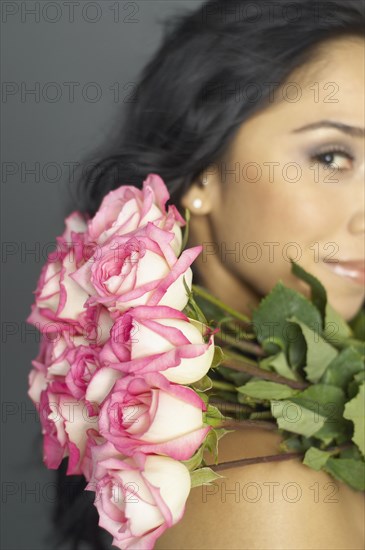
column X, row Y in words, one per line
column 357, row 222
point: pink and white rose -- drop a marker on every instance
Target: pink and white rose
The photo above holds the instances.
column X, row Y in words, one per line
column 128, row 208
column 68, row 359
column 81, row 363
column 137, row 498
column 159, row 339
column 50, row 364
column 93, row 323
column 59, row 346
column 65, row 423
column 37, row 378
column 151, row 415
column 74, row 223
column 137, row 269
column 58, row 297
column 109, row 382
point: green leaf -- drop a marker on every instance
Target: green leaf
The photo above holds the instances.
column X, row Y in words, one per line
column 335, row 429
column 279, row 364
column 307, row 412
column 335, row 328
column 357, row 325
column 213, row 416
column 296, row 443
column 356, row 344
column 342, row 369
column 199, row 315
column 315, row 458
column 263, row 389
column 355, row 411
column 211, row 441
column 249, row 401
column 238, row 378
column 351, row 452
column 318, row 292
column 203, row 385
column 323, row 398
column 273, row 345
column 203, row 476
column 360, row 377
column 269, row 319
column 204, row 397
column 221, row 432
column 348, row 470
column 297, row 348
column 211, row 311
column 194, row 462
column 322, row 394
column 217, row 357
column 295, row 418
column 354, row 385
column 319, row 352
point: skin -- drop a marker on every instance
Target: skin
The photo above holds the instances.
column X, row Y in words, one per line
column 277, row 506
column 278, row 210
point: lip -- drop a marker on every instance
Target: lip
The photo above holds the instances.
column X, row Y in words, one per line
column 352, row 269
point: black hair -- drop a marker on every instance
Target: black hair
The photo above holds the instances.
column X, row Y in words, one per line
column 180, row 121
column 75, row 518
column 183, row 115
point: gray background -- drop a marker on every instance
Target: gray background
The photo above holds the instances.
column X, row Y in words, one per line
column 43, row 51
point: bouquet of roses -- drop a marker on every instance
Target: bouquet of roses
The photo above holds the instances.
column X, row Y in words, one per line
column 130, row 385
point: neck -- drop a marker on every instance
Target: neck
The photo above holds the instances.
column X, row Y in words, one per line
column 225, row 285
column 214, row 274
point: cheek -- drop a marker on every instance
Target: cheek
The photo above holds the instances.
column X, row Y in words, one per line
column 271, row 222
column 275, row 212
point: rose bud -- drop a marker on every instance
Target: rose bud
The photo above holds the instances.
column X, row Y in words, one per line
column 58, row 297
column 128, row 208
column 139, row 497
column 65, row 422
column 140, row 268
column 159, row 339
column 152, row 415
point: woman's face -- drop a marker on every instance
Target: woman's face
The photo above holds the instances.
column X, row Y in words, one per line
column 284, row 190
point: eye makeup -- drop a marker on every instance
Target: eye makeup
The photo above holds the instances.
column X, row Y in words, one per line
column 320, row 154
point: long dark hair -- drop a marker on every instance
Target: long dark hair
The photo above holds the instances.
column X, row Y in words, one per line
column 181, row 120
column 183, row 115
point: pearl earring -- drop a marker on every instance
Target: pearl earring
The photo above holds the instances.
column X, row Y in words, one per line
column 197, row 203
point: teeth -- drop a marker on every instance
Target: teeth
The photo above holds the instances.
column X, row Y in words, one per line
column 343, row 271
column 352, row 273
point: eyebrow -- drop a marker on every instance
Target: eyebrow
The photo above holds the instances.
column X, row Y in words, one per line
column 351, row 130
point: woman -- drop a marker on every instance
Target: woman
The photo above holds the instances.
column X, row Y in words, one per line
column 253, row 114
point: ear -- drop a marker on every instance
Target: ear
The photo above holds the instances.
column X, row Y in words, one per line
column 199, row 197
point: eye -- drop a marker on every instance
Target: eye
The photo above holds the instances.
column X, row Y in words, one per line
column 331, row 158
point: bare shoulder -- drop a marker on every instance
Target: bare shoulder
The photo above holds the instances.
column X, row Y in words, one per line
column 282, row 505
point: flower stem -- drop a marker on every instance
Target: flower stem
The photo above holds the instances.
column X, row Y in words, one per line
column 200, row 291
column 260, row 414
column 225, row 386
column 271, row 458
column 255, row 460
column 248, row 423
column 235, row 362
column 187, row 227
column 336, row 450
column 240, row 344
column 225, row 406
